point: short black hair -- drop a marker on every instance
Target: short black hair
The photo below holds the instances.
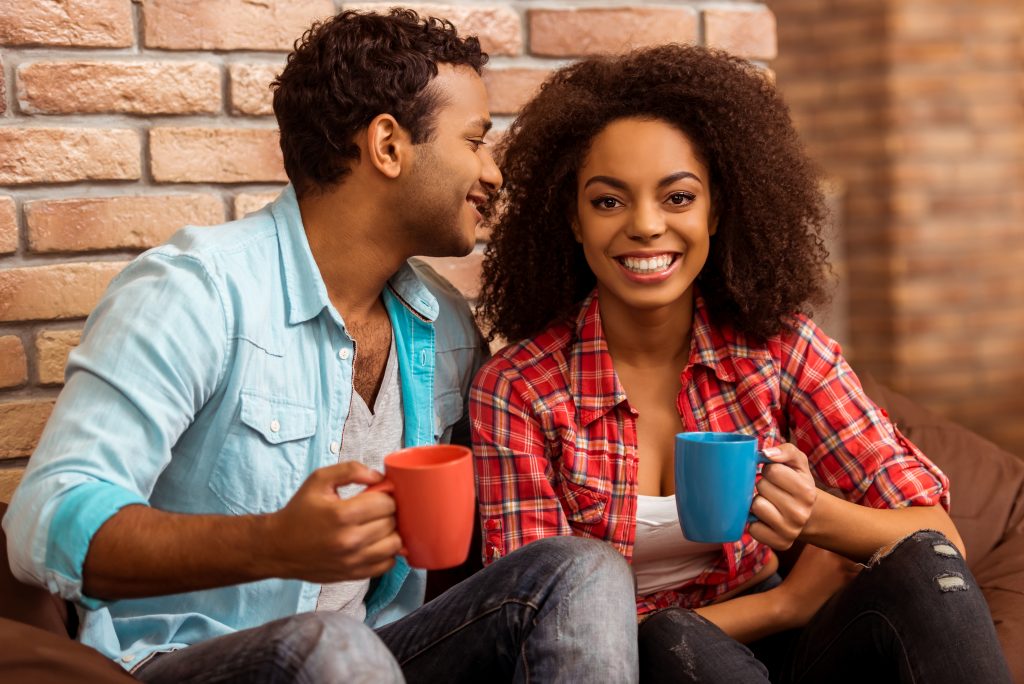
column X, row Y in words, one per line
column 348, row 69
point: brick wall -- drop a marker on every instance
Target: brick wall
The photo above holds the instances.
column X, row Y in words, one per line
column 121, row 121
column 918, row 107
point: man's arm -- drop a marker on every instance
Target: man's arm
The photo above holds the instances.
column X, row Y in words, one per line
column 317, row 537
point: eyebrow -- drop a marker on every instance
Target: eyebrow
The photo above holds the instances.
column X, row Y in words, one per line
column 482, row 122
column 616, row 183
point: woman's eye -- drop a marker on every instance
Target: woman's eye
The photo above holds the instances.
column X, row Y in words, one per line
column 680, row 198
column 605, row 203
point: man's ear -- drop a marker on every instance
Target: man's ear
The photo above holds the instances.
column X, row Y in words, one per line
column 387, row 145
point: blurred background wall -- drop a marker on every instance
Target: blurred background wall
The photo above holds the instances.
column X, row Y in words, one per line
column 916, row 109
column 122, row 120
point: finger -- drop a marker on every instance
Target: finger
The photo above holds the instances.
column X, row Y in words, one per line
column 347, row 472
column 798, row 485
column 794, row 509
column 380, row 550
column 353, row 538
column 788, row 455
column 766, row 535
column 364, row 507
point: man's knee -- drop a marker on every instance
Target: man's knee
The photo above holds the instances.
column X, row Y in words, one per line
column 335, row 647
column 576, row 556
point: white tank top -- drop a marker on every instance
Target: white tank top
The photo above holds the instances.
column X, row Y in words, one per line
column 662, row 557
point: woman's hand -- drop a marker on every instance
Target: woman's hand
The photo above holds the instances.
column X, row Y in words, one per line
column 815, row 577
column 785, row 497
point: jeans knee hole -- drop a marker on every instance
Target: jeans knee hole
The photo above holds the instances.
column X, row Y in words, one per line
column 945, row 550
column 951, row 581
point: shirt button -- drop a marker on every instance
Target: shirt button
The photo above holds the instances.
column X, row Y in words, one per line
column 275, row 425
column 344, row 354
column 127, row 658
column 335, row 447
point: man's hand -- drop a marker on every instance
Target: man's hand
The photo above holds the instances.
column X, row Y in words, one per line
column 785, row 498
column 319, row 537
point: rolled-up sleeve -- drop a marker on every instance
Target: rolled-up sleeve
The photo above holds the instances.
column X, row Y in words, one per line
column 152, row 353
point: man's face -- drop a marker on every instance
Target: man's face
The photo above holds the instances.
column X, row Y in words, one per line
column 453, row 173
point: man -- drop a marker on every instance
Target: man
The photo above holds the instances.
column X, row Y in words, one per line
column 185, row 491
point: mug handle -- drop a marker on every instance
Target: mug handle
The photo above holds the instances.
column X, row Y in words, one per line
column 761, row 458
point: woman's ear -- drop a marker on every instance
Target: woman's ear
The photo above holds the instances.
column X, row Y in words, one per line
column 574, row 224
column 387, row 145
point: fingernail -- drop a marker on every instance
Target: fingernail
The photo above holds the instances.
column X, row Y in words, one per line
column 773, row 452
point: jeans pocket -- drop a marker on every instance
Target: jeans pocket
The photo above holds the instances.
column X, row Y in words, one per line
column 262, row 461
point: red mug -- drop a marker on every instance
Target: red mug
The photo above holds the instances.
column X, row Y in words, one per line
column 434, row 500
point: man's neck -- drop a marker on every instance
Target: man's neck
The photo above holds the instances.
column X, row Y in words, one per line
column 347, row 233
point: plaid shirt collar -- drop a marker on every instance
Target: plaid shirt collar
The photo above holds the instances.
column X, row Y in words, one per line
column 595, row 385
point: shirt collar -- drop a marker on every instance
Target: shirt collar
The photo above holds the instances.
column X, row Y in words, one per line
column 595, row 385
column 305, row 291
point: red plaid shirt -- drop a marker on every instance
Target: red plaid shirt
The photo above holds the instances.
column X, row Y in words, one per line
column 554, row 436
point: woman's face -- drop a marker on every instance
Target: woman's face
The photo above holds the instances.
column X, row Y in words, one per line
column 643, row 213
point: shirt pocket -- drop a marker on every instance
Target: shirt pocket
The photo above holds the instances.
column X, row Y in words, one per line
column 447, row 412
column 582, row 486
column 265, row 454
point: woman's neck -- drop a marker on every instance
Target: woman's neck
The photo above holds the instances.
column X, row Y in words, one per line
column 647, row 337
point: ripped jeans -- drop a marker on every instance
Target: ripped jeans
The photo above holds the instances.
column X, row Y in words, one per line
column 915, row 615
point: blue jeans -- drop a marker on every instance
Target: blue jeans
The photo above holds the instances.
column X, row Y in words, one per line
column 557, row 610
column 916, row 615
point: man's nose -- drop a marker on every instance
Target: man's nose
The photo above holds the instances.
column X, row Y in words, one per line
column 490, row 174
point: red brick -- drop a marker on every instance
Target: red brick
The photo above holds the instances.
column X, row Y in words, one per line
column 134, row 222
column 250, row 88
column 54, row 292
column 498, row 26
column 248, row 202
column 3, row 89
column 229, row 24
column 9, row 479
column 509, row 89
column 52, row 349
column 13, row 362
column 61, row 155
column 215, row 155
column 8, row 225
column 462, row 272
column 577, row 32
column 121, row 87
column 21, row 424
column 69, row 23
column 747, row 32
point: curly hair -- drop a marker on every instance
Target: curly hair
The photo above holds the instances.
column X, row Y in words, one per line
column 767, row 260
column 348, row 69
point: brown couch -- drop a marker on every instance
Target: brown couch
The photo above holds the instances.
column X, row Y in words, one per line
column 987, row 505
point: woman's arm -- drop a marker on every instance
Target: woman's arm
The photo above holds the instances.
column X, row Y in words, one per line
column 859, row 532
column 816, row 576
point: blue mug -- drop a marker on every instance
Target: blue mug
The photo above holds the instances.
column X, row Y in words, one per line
column 715, row 474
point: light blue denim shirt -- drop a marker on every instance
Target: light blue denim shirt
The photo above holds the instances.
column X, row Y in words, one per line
column 214, row 377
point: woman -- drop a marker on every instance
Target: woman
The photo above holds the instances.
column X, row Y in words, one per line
column 658, row 248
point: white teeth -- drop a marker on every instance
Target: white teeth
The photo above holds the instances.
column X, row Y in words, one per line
column 647, row 265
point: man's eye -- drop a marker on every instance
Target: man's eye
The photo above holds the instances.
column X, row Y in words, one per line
column 477, row 143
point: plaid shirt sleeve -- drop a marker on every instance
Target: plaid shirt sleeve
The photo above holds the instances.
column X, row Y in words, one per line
column 517, row 501
column 850, row 442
